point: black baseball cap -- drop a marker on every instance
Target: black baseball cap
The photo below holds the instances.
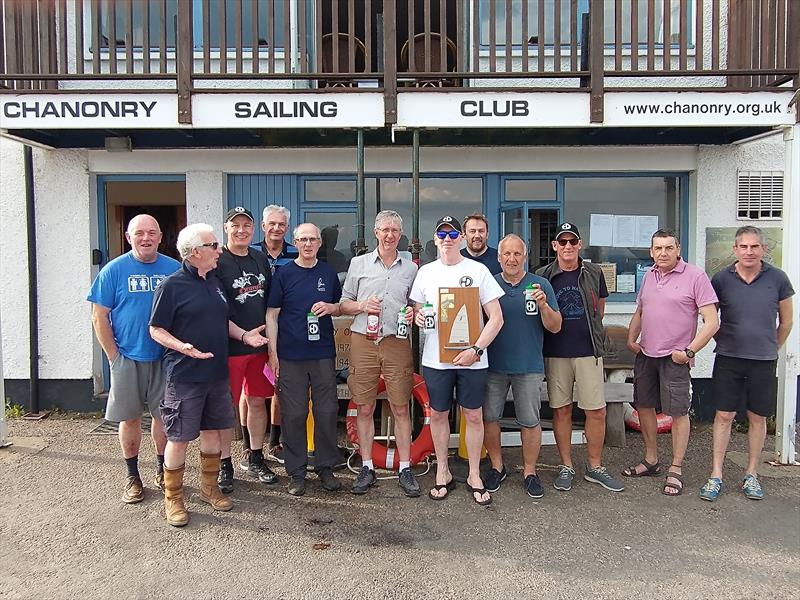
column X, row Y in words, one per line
column 567, row 228
column 239, row 210
column 448, row 220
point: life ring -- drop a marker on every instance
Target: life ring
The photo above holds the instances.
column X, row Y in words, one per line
column 384, row 457
column 663, row 422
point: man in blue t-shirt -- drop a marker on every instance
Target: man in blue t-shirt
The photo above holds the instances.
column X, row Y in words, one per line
column 476, row 235
column 304, row 295
column 121, row 297
column 515, row 360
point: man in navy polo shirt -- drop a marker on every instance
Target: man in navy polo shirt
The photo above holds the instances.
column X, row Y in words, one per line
column 304, row 295
column 190, row 318
column 751, row 295
column 476, row 235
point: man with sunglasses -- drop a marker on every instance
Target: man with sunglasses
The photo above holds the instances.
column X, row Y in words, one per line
column 467, row 372
column 476, row 234
column 574, row 355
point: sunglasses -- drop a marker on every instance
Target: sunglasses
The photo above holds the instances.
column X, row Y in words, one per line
column 571, row 242
column 452, row 233
column 212, row 245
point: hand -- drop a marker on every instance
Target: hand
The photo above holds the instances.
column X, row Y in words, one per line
column 466, row 358
column 634, row 347
column 193, row 352
column 254, row 338
column 323, row 308
column 112, row 358
column 419, row 319
column 679, row 357
column 274, row 365
column 370, row 305
column 538, row 295
column 409, row 315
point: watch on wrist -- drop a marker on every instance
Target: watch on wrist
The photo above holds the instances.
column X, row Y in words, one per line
column 478, row 350
column 689, row 353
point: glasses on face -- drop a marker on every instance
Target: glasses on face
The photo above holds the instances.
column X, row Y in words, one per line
column 388, row 230
column 306, row 240
column 452, row 233
column 570, row 241
column 212, row 245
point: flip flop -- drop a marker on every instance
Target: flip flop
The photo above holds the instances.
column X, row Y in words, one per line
column 652, row 470
column 481, row 491
column 678, row 487
column 439, row 487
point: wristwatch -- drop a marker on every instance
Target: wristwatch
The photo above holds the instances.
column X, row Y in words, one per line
column 478, row 350
column 689, row 353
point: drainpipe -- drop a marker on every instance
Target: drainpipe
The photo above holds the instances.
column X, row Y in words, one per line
column 361, row 242
column 33, row 285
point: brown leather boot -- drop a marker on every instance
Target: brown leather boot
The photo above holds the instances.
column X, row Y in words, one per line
column 177, row 515
column 209, row 492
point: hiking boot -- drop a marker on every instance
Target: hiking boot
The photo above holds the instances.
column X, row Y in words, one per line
column 752, row 488
column 175, row 510
column 159, row 480
column 275, row 453
column 297, row 486
column 408, row 483
column 134, row 490
column 329, row 481
column 711, row 490
column 365, row 480
column 262, row 472
column 225, row 477
column 533, row 486
column 601, row 476
column 211, row 490
column 244, row 464
column 494, row 479
column 564, row 480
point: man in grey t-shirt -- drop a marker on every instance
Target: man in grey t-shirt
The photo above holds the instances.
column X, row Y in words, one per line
column 751, row 295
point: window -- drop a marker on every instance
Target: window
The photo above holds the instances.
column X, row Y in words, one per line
column 112, row 11
column 248, row 11
column 759, row 195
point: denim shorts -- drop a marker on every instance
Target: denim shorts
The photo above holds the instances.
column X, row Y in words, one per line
column 470, row 386
column 526, row 389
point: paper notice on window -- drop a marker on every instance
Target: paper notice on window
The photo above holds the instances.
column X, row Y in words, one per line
column 646, row 226
column 601, row 230
column 626, row 283
column 610, row 275
column 624, row 234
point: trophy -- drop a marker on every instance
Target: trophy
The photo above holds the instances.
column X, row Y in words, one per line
column 459, row 320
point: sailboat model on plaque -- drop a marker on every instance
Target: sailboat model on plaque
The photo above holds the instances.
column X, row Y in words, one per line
column 459, row 320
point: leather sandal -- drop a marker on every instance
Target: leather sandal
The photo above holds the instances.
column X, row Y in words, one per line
column 651, row 470
column 678, row 487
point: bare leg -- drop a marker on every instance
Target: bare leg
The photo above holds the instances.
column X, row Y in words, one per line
column 595, row 431
column 722, row 435
column 256, row 420
column 531, row 444
column 158, row 435
column 402, row 430
column 756, row 434
column 130, row 437
column 491, row 440
column 562, row 430
column 649, row 425
column 175, row 454
column 474, row 441
column 275, row 411
column 226, row 436
column 366, row 430
column 440, row 431
column 211, row 440
column 680, row 441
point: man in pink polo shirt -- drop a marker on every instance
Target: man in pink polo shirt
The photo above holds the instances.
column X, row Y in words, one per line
column 673, row 292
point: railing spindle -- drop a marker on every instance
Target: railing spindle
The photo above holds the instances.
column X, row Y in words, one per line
column 237, row 35
column 254, row 43
column 618, row 35
column 541, row 34
column 634, row 35
column 509, row 45
column 557, row 35
column 698, row 37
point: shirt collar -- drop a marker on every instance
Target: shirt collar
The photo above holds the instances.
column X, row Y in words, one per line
column 377, row 257
column 680, row 267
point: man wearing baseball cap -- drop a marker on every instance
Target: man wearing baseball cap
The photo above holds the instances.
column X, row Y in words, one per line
column 575, row 355
column 245, row 276
column 467, row 372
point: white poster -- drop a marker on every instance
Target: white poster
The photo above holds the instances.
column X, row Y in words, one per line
column 601, row 230
column 646, row 226
column 624, row 231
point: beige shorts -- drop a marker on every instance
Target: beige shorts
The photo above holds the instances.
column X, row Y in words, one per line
column 368, row 360
column 585, row 374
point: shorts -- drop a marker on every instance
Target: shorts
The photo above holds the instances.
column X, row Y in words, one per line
column 189, row 408
column 527, row 391
column 368, row 360
column 745, row 383
column 135, row 387
column 247, row 372
column 470, row 386
column 569, row 377
column 662, row 384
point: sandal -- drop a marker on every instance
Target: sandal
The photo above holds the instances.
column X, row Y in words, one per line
column 481, row 491
column 651, row 470
column 678, row 487
column 440, row 487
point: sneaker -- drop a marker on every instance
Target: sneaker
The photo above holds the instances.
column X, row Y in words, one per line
column 262, row 472
column 752, row 488
column 712, row 489
column 275, row 453
column 225, row 478
column 134, row 490
column 564, row 480
column 408, row 483
column 297, row 486
column 601, row 476
column 365, row 480
column 329, row 481
column 533, row 486
column 244, row 464
column 159, row 480
column 494, row 479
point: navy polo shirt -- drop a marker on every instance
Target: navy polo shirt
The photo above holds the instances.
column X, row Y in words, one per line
column 488, row 259
column 194, row 310
column 748, row 312
column 294, row 290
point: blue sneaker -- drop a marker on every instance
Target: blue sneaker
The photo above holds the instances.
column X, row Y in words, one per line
column 751, row 487
column 712, row 489
column 494, row 478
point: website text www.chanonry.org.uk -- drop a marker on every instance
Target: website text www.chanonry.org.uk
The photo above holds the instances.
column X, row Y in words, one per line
column 768, row 107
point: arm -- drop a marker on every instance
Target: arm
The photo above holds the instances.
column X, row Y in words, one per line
column 326, row 308
column 166, row 339
column 551, row 319
column 251, row 338
column 601, row 307
column 354, row 307
column 784, row 320
column 634, row 329
column 272, row 336
column 707, row 331
column 102, row 329
column 490, row 330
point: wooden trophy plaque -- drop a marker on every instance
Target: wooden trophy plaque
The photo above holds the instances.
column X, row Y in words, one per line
column 459, row 320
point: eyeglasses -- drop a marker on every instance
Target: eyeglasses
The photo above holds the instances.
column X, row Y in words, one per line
column 306, row 240
column 570, row 241
column 452, row 233
column 212, row 245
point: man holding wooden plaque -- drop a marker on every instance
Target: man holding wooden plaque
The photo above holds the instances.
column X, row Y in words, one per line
column 449, row 294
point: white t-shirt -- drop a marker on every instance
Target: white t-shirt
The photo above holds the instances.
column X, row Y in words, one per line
column 435, row 275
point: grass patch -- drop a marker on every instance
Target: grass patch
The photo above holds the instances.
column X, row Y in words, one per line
column 13, row 411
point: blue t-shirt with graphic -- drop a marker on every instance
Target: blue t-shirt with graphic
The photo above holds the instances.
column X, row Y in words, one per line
column 518, row 347
column 295, row 290
column 126, row 285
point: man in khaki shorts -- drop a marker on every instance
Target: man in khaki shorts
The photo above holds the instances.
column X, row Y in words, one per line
column 575, row 356
column 378, row 283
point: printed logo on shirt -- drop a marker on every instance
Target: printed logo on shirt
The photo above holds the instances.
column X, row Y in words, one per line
column 320, row 285
column 465, row 281
column 249, row 285
column 222, row 295
column 570, row 302
column 141, row 283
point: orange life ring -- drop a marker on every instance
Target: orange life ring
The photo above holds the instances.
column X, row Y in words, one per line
column 663, row 422
column 384, row 457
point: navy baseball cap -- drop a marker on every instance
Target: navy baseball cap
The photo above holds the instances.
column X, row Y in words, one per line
column 239, row 210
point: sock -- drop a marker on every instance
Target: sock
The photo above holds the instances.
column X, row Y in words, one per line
column 245, row 438
column 133, row 466
column 404, row 464
column 160, row 458
column 256, row 455
column 274, row 435
column 226, row 462
column 368, row 463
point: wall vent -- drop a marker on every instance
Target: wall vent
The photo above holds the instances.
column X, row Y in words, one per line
column 759, row 196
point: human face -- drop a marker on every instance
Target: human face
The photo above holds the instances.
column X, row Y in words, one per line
column 144, row 236
column 513, row 259
column 308, row 249
column 205, row 256
column 568, row 253
column 475, row 232
column 749, row 250
column 447, row 245
column 240, row 232
column 388, row 234
column 274, row 227
column 665, row 252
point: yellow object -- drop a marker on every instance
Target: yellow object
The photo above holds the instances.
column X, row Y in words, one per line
column 462, row 438
column 310, row 429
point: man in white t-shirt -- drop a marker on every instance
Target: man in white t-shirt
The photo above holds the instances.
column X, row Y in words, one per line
column 467, row 372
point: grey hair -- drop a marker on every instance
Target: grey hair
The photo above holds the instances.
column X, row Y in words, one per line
column 294, row 231
column 189, row 238
column 388, row 215
column 509, row 237
column 750, row 229
column 275, row 208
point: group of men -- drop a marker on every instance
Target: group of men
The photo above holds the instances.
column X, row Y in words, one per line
column 218, row 313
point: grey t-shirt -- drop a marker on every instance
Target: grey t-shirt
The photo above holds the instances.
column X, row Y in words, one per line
column 748, row 312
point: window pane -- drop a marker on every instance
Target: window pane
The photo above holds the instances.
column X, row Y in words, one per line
column 137, row 28
column 330, row 191
column 265, row 21
column 530, row 189
column 338, row 238
column 533, row 21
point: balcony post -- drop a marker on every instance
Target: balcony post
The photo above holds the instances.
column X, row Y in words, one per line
column 596, row 58
column 390, row 62
column 185, row 62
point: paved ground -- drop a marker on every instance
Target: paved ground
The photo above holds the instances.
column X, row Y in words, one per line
column 65, row 534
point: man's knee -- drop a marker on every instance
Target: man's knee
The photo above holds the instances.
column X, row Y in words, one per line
column 400, row 412
column 724, row 417
column 366, row 411
column 474, row 416
column 255, row 403
column 598, row 414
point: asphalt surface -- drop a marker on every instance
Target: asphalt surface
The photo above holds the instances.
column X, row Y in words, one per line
column 64, row 533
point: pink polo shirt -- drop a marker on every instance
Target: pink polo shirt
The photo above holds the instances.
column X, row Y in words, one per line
column 670, row 304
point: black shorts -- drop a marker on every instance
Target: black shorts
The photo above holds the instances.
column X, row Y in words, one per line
column 188, row 408
column 662, row 384
column 741, row 383
column 470, row 386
